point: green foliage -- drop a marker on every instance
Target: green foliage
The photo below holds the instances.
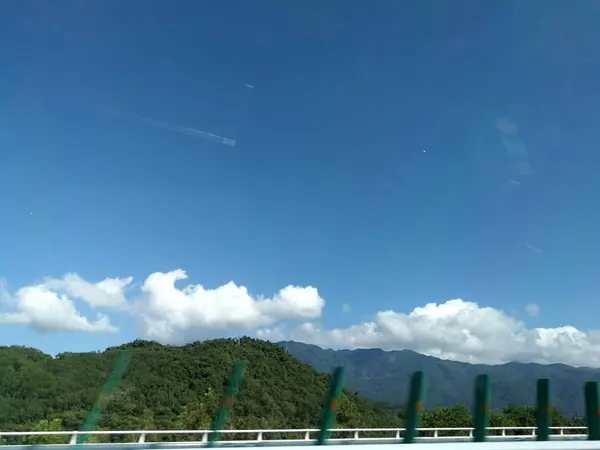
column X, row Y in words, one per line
column 46, row 425
column 385, row 376
column 447, row 417
column 459, row 416
column 168, row 387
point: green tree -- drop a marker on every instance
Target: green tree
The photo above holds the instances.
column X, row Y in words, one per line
column 47, row 425
column 447, row 417
column 167, row 387
column 199, row 414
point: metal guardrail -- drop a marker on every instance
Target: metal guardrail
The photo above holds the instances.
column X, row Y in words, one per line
column 543, row 435
column 308, row 435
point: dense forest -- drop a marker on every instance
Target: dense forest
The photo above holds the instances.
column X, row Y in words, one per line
column 167, row 387
column 381, row 375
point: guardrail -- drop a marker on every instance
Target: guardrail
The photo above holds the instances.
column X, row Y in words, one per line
column 308, row 435
column 328, row 434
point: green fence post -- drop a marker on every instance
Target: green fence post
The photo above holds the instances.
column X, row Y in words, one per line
column 332, row 404
column 416, row 397
column 592, row 410
column 542, row 411
column 482, row 407
column 112, row 382
column 220, row 420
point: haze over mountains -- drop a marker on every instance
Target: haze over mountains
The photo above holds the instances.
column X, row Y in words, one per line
column 383, row 376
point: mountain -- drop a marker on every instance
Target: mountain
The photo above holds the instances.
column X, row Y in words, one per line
column 167, row 387
column 383, row 376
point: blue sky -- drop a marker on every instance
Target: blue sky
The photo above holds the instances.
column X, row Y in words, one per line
column 369, row 159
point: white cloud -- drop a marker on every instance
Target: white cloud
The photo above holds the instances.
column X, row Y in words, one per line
column 533, row 309
column 45, row 310
column 106, row 293
column 173, row 315
column 50, row 305
column 455, row 329
column 346, row 308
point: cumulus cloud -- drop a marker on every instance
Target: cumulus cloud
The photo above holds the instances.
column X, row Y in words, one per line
column 106, row 293
column 50, row 305
column 45, row 310
column 173, row 315
column 455, row 329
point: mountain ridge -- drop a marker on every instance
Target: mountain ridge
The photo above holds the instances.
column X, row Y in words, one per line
column 169, row 387
column 383, row 376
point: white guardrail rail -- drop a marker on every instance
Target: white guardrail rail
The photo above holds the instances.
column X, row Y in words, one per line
column 560, row 437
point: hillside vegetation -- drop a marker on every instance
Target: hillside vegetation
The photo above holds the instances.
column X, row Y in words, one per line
column 168, row 387
column 384, row 376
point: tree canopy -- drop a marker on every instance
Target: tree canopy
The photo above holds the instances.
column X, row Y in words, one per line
column 168, row 387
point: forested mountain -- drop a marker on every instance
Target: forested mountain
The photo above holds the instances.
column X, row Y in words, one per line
column 168, row 387
column 384, row 375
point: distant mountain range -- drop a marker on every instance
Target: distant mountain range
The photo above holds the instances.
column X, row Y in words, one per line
column 383, row 376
